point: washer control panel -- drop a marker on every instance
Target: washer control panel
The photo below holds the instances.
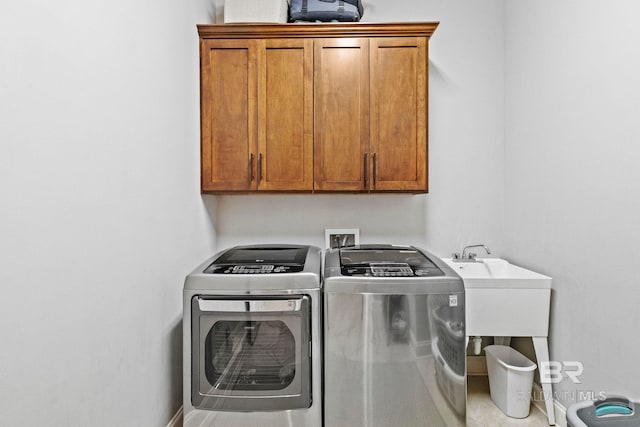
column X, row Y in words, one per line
column 390, row 269
column 383, row 269
column 386, row 261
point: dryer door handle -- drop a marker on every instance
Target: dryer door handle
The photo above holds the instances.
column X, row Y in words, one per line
column 250, row 305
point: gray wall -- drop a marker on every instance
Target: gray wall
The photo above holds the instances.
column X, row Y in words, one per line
column 533, row 134
column 572, row 182
column 101, row 216
column 466, row 123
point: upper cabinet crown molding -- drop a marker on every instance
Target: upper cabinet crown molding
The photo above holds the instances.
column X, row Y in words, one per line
column 406, row 29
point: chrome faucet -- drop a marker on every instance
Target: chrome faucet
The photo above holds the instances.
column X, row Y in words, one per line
column 468, row 257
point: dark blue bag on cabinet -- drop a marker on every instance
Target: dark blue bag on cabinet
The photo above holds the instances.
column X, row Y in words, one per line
column 325, row 10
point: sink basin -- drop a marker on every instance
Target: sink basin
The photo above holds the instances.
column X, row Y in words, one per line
column 503, row 299
column 498, row 273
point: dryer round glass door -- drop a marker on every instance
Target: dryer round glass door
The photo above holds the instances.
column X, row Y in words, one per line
column 251, row 354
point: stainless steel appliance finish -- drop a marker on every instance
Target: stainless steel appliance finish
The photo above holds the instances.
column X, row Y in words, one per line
column 394, row 349
column 252, row 339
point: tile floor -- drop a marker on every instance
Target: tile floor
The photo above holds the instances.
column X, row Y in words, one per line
column 482, row 412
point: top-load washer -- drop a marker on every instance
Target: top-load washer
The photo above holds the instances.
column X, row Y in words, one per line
column 252, row 338
column 394, row 339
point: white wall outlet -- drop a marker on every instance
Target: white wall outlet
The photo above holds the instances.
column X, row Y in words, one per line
column 339, row 237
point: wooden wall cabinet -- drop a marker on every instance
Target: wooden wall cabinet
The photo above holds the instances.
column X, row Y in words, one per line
column 256, row 109
column 341, row 114
column 314, row 107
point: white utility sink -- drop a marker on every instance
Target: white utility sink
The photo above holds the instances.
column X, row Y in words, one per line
column 504, row 300
column 498, row 273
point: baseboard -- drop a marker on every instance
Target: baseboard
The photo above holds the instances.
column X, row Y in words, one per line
column 176, row 421
column 560, row 410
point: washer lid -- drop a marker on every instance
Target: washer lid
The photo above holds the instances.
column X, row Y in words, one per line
column 262, row 259
column 386, row 261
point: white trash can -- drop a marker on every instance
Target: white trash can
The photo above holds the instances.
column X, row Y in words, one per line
column 510, row 380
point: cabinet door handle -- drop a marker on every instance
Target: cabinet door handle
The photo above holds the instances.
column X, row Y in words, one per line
column 375, row 168
column 366, row 169
column 251, row 167
column 260, row 167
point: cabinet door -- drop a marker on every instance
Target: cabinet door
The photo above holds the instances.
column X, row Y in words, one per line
column 285, row 115
column 228, row 109
column 399, row 114
column 341, row 114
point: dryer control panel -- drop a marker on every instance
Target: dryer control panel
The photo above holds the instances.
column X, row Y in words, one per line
column 253, row 269
column 261, row 259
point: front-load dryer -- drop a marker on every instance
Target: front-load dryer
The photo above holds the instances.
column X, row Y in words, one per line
column 252, row 339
